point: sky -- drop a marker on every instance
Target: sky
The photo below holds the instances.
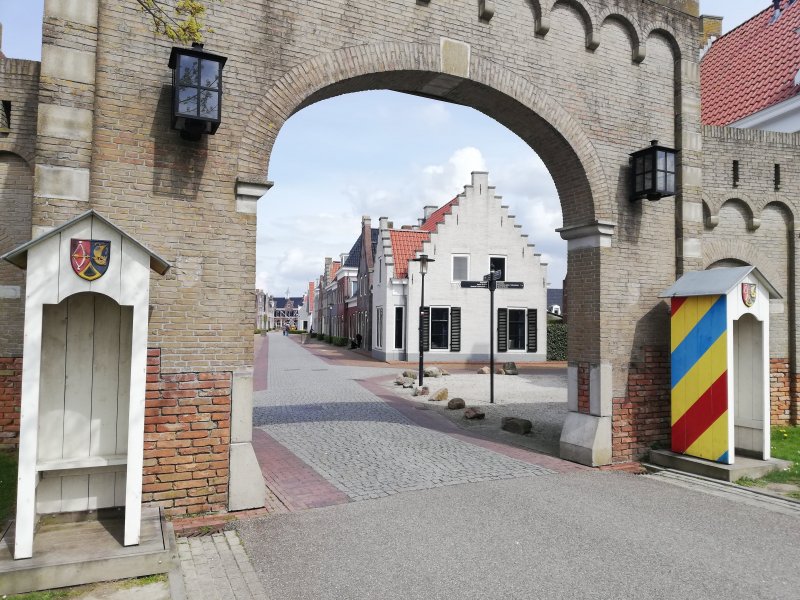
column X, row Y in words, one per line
column 378, row 153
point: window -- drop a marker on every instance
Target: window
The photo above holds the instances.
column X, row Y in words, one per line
column 398, row 326
column 379, row 327
column 440, row 328
column 460, row 268
column 5, row 117
column 516, row 329
column 498, row 263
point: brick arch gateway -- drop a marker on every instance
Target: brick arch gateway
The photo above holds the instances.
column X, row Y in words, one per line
column 583, row 82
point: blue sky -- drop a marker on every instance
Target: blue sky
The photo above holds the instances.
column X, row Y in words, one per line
column 378, row 154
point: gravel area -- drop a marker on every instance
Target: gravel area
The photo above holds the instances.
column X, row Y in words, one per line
column 538, row 394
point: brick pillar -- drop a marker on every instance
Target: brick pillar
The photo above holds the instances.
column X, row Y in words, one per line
column 10, row 399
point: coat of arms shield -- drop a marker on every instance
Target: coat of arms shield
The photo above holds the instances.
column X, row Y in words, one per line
column 90, row 258
column 749, row 293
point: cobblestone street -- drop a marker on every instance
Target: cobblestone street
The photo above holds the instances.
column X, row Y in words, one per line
column 325, row 415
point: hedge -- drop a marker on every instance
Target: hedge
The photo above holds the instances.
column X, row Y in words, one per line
column 556, row 341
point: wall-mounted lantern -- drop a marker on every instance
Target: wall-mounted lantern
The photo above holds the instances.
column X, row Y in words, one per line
column 196, row 91
column 653, row 172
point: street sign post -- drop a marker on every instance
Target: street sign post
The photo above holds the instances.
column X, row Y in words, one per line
column 491, row 282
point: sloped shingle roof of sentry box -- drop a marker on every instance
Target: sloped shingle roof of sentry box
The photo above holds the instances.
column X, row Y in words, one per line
column 715, row 282
column 19, row 256
column 405, row 245
column 751, row 67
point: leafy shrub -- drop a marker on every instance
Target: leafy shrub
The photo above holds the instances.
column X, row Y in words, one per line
column 295, row 331
column 556, row 341
column 340, row 341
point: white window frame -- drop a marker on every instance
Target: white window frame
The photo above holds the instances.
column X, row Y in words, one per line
column 379, row 326
column 402, row 320
column 430, row 329
column 524, row 332
column 505, row 264
column 453, row 267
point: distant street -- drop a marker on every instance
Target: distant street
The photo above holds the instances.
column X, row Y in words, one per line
column 377, row 499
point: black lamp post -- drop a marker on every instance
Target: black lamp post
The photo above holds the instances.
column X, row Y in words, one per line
column 330, row 320
column 423, row 261
column 653, row 172
column 196, row 91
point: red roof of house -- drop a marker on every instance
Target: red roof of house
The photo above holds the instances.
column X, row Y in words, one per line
column 438, row 216
column 752, row 67
column 310, row 296
column 335, row 269
column 405, row 245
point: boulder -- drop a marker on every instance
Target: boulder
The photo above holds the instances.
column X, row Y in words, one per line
column 410, row 374
column 499, row 371
column 433, row 372
column 399, row 380
column 483, row 371
column 422, row 391
column 456, row 403
column 474, row 413
column 510, row 368
column 439, row 395
column 408, row 382
column 444, row 373
column 516, row 425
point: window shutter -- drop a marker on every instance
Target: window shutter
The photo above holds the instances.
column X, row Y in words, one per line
column 426, row 328
column 502, row 330
column 533, row 333
column 455, row 329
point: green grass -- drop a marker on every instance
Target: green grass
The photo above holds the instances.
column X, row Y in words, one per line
column 785, row 445
column 8, row 485
column 74, row 592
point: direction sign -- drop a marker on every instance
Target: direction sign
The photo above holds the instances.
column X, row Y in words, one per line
column 475, row 284
column 511, row 285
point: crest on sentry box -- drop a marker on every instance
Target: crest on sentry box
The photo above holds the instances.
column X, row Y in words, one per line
column 90, row 258
column 749, row 293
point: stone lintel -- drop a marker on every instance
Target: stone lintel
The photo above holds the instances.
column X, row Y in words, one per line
column 10, row 292
column 75, row 11
column 248, row 193
column 455, row 57
column 67, row 183
column 68, row 64
column 242, row 406
column 65, row 122
column 586, row 439
column 572, row 388
column 591, row 235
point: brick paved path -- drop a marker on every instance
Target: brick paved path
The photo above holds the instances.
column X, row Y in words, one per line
column 216, row 567
column 327, row 437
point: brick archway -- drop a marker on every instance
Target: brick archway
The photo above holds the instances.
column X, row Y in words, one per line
column 501, row 94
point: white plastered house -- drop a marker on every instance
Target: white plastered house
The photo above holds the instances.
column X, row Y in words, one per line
column 467, row 237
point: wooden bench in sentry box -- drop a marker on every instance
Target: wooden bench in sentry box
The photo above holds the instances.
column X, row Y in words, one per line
column 83, row 374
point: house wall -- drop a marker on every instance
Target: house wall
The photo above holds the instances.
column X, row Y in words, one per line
column 479, row 226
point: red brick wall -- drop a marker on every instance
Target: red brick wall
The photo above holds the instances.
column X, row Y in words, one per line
column 642, row 418
column 186, row 438
column 583, row 388
column 780, row 392
column 10, row 396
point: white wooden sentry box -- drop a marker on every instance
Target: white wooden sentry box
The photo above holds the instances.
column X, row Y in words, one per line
column 83, row 377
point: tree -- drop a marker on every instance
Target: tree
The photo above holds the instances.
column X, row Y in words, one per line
column 181, row 23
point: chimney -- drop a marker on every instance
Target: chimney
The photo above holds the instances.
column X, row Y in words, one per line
column 328, row 262
column 383, row 222
column 428, row 211
column 343, row 258
column 480, row 182
column 710, row 29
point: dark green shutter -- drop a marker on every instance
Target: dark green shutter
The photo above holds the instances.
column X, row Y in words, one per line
column 533, row 332
column 455, row 329
column 502, row 330
column 426, row 328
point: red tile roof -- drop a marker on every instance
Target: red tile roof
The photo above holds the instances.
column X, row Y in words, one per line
column 752, row 67
column 334, row 269
column 310, row 296
column 405, row 245
column 438, row 216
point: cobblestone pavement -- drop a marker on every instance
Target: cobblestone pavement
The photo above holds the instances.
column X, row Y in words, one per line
column 354, row 440
column 216, row 567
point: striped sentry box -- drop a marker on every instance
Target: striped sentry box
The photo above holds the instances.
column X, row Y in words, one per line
column 700, row 377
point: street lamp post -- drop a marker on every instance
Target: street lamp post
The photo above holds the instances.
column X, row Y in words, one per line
column 423, row 261
column 330, row 320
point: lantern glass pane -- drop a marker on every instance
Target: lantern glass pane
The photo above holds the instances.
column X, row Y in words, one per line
column 188, row 70
column 209, row 104
column 639, row 183
column 648, row 163
column 187, row 101
column 671, row 162
column 209, row 75
column 670, row 183
column 662, row 160
column 661, row 180
column 648, row 180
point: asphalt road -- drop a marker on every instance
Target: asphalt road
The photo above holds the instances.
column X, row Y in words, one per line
column 573, row 536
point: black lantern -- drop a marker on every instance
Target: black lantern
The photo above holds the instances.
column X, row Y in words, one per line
column 196, row 91
column 653, row 172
